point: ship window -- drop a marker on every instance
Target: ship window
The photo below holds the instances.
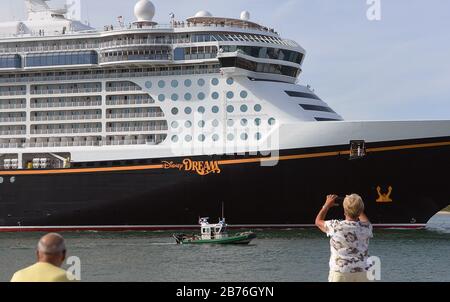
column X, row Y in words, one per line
column 230, row 123
column 174, row 111
column 161, row 97
column 201, row 109
column 215, row 95
column 230, row 81
column 357, row 149
column 174, row 83
column 272, row 121
column 230, row 109
column 230, row 136
column 174, row 97
column 244, row 136
column 188, row 110
column 188, row 138
column 175, row 138
column 244, row 122
column 244, row 94
column 215, row 81
column 257, row 108
column 215, row 137
column 188, row 96
column 201, row 96
column 215, row 123
column 188, row 83
column 201, row 137
column 201, row 82
column 161, row 84
column 257, row 121
column 258, row 136
column 215, row 109
column 316, row 108
column 174, row 124
column 323, row 119
column 305, row 95
column 201, row 124
column 230, row 94
column 244, row 108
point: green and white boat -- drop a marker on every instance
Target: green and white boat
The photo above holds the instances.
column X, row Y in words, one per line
column 214, row 234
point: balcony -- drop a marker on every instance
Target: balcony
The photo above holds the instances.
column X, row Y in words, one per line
column 65, row 91
column 66, row 117
column 134, row 115
column 65, row 131
column 12, row 119
column 66, row 104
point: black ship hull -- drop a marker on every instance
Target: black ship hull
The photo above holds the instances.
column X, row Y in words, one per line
column 403, row 184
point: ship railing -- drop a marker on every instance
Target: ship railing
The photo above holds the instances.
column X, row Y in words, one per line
column 66, row 117
column 63, row 144
column 134, row 115
column 129, row 102
column 12, row 132
column 123, row 88
column 65, row 104
column 12, row 119
column 136, row 58
column 12, row 106
column 62, row 91
column 65, row 131
column 140, row 129
column 6, row 145
column 109, row 76
column 11, row 93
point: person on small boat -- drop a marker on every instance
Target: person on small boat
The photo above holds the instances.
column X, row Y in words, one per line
column 349, row 239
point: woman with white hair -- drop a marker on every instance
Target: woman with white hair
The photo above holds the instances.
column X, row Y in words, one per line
column 349, row 239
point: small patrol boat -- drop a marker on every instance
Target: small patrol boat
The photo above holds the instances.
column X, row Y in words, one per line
column 214, row 234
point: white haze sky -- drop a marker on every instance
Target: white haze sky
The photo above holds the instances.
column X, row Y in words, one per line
column 396, row 68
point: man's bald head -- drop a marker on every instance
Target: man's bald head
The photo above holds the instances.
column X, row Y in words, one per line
column 52, row 249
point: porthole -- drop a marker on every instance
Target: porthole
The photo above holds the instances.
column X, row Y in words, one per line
column 175, row 138
column 174, row 83
column 174, row 97
column 201, row 109
column 201, row 137
column 272, row 121
column 174, row 111
column 215, row 95
column 230, row 109
column 188, row 124
column 201, row 96
column 188, row 138
column 230, row 123
column 188, row 110
column 257, row 108
column 188, row 96
column 230, row 136
column 215, row 137
column 215, row 123
column 188, row 83
column 244, row 94
column 244, row 122
column 174, row 124
column 230, row 81
column 257, row 121
column 244, row 136
column 244, row 108
column 148, row 84
column 230, row 95
column 258, row 136
column 215, row 109
column 161, row 84
column 215, row 81
column 201, row 82
column 161, row 97
column 201, row 124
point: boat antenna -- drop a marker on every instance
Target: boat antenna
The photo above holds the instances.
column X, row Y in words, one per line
column 223, row 210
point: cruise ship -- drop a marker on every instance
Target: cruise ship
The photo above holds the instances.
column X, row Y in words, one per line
column 146, row 126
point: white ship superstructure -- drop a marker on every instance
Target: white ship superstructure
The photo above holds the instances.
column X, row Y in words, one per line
column 136, row 126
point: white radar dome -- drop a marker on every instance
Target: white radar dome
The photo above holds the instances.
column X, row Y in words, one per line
column 203, row 13
column 144, row 10
column 245, row 15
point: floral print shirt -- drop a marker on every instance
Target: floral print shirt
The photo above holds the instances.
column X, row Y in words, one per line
column 349, row 243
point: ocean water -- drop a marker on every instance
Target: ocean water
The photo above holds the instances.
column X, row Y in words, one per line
column 282, row 255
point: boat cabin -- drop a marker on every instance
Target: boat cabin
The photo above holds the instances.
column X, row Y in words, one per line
column 213, row 231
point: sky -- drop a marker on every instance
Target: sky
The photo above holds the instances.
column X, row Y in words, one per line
column 396, row 68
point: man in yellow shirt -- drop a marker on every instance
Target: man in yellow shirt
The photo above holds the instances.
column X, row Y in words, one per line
column 51, row 253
